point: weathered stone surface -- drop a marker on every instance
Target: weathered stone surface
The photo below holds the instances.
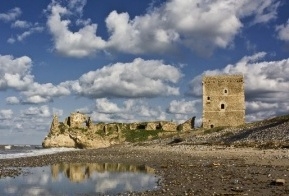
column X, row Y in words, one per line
column 54, row 128
column 168, row 126
column 151, row 126
column 61, row 140
column 82, row 141
column 223, row 100
column 77, row 120
column 79, row 131
column 187, row 125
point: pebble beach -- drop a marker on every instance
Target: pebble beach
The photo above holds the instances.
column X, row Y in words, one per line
column 184, row 169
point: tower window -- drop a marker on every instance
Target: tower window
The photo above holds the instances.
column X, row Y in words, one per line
column 212, row 126
column 225, row 91
column 222, row 106
column 208, row 98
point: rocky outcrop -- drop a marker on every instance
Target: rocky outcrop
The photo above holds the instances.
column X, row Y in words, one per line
column 78, row 131
column 60, row 140
column 97, row 141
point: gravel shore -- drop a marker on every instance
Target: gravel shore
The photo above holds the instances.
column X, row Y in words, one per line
column 248, row 160
column 185, row 169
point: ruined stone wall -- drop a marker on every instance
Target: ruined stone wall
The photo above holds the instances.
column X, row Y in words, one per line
column 223, row 101
column 77, row 120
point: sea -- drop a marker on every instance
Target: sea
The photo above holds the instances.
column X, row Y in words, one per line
column 17, row 151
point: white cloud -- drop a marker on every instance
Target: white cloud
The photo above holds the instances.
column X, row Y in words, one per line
column 135, row 79
column 183, row 107
column 76, row 6
column 42, row 111
column 105, row 106
column 266, row 84
column 15, row 74
column 15, row 71
column 21, row 24
column 130, row 111
column 196, row 24
column 32, row 30
column 12, row 100
column 57, row 111
column 6, row 114
column 139, row 78
column 182, row 110
column 77, row 44
column 254, row 106
column 283, row 31
column 42, row 93
column 10, row 15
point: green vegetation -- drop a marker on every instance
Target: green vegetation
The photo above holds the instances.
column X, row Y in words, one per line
column 140, row 135
column 62, row 127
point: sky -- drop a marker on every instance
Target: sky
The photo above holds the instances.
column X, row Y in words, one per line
column 129, row 61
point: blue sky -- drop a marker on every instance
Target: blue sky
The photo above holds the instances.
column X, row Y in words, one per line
column 125, row 61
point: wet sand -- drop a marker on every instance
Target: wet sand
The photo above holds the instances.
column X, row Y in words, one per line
column 185, row 169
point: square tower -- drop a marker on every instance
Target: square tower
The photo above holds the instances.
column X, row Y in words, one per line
column 223, row 101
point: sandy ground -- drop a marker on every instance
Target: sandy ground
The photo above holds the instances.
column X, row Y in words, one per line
column 186, row 169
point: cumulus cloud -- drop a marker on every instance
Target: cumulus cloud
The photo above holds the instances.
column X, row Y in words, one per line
column 6, row 114
column 139, row 78
column 31, row 29
column 106, row 110
column 21, row 24
column 77, row 44
column 11, row 14
column 266, row 85
column 42, row 111
column 12, row 100
column 183, row 107
column 15, row 73
column 283, row 31
column 182, row 110
column 199, row 25
column 105, row 106
column 42, row 93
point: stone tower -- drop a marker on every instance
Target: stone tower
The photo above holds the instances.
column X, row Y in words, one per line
column 223, row 101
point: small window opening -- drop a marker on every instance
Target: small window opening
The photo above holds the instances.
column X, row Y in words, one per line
column 208, row 98
column 222, row 106
column 212, row 126
column 225, row 91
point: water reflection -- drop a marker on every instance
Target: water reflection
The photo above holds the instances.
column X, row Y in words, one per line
column 80, row 179
column 78, row 172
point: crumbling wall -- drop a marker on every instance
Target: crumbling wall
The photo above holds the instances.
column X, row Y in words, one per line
column 78, row 120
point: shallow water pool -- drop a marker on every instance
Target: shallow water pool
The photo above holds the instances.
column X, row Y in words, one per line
column 80, row 179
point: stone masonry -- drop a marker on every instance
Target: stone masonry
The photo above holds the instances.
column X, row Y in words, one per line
column 223, row 101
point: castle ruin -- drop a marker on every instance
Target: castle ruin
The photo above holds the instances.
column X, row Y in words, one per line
column 223, row 101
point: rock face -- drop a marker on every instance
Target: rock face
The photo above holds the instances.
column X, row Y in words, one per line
column 78, row 131
column 61, row 140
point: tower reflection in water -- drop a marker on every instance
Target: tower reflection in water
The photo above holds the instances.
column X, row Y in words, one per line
column 80, row 179
column 79, row 172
